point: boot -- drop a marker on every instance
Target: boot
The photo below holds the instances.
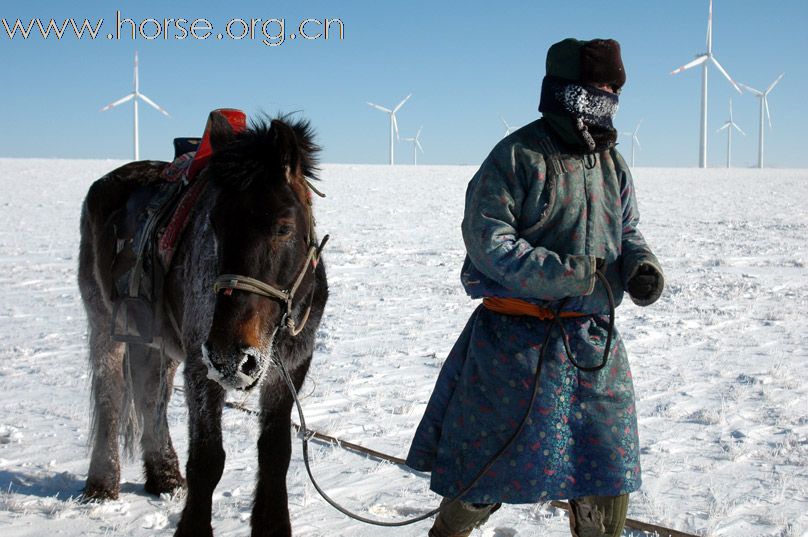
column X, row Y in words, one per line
column 458, row 518
column 598, row 516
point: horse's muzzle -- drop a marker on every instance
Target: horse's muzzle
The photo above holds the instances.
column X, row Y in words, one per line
column 241, row 370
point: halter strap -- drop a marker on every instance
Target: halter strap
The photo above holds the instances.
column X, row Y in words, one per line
column 228, row 282
column 251, row 285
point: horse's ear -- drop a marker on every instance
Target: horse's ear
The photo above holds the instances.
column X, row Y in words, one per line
column 221, row 132
column 286, row 145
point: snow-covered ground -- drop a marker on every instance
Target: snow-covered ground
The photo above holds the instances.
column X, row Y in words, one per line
column 720, row 362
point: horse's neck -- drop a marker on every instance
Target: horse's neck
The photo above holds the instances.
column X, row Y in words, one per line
column 189, row 289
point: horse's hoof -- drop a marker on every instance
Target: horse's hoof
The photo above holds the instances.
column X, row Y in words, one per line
column 283, row 531
column 162, row 484
column 186, row 530
column 163, row 475
column 97, row 492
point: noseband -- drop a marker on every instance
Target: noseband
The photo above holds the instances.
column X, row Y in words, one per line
column 228, row 282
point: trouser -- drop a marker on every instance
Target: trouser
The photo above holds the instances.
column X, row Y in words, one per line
column 590, row 516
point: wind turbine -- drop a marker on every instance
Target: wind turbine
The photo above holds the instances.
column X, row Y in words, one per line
column 729, row 125
column 764, row 104
column 634, row 140
column 135, row 95
column 703, row 60
column 393, row 123
column 508, row 128
column 416, row 145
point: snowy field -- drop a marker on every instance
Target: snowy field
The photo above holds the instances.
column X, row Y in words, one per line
column 720, row 362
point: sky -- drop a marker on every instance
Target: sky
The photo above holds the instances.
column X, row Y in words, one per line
column 465, row 63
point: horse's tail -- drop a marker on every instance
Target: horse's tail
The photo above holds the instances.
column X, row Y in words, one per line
column 131, row 424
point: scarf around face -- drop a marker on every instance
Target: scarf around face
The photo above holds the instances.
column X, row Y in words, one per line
column 583, row 111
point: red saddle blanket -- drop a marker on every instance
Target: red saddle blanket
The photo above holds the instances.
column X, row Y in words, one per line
column 186, row 168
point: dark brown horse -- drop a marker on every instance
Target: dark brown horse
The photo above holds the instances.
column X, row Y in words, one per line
column 251, row 235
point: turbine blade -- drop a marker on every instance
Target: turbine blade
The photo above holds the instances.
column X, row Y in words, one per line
column 397, row 108
column 395, row 124
column 377, row 107
column 417, row 143
column 637, row 129
column 154, row 105
column 768, row 114
column 637, row 141
column 738, row 129
column 774, row 83
column 119, row 101
column 418, row 134
column 699, row 60
column 710, row 29
column 724, row 126
column 724, row 72
column 752, row 90
column 135, row 79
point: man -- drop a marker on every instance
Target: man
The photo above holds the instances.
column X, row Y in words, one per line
column 549, row 216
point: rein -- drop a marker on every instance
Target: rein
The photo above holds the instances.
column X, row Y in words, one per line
column 228, row 282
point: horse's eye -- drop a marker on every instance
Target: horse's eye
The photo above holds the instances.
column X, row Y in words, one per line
column 284, row 230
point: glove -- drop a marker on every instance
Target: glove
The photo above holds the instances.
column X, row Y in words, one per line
column 600, row 264
column 645, row 283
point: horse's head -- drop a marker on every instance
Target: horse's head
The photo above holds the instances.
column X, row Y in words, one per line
column 265, row 246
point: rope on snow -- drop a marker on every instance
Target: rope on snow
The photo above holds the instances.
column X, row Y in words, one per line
column 633, row 524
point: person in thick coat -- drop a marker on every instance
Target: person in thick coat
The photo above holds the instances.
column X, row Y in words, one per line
column 550, row 218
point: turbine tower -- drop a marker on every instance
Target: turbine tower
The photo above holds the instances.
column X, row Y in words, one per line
column 416, row 145
column 764, row 104
column 134, row 96
column 729, row 125
column 704, row 59
column 635, row 140
column 393, row 123
column 508, row 128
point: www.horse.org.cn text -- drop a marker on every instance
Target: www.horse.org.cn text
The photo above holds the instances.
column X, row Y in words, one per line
column 271, row 32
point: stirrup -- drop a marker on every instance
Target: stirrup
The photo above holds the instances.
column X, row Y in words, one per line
column 132, row 320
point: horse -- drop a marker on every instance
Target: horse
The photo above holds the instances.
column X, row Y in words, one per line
column 244, row 288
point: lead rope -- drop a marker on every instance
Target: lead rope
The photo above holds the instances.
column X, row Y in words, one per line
column 306, row 434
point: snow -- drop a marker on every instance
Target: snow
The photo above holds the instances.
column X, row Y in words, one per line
column 719, row 362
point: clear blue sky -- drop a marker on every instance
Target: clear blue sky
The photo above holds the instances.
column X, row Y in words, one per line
column 465, row 63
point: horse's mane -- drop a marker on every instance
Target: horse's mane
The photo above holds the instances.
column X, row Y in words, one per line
column 268, row 146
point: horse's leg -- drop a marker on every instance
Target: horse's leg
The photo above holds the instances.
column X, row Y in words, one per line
column 205, row 453
column 106, row 362
column 270, row 516
column 153, row 380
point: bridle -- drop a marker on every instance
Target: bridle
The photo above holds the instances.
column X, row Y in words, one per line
column 228, row 282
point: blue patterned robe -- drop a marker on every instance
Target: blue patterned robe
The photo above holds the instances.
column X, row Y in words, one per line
column 535, row 221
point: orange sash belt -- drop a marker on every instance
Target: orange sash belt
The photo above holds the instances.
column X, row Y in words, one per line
column 514, row 306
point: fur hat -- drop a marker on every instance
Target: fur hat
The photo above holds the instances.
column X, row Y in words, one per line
column 601, row 63
column 587, row 62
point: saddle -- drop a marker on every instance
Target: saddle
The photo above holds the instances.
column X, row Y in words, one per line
column 148, row 229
